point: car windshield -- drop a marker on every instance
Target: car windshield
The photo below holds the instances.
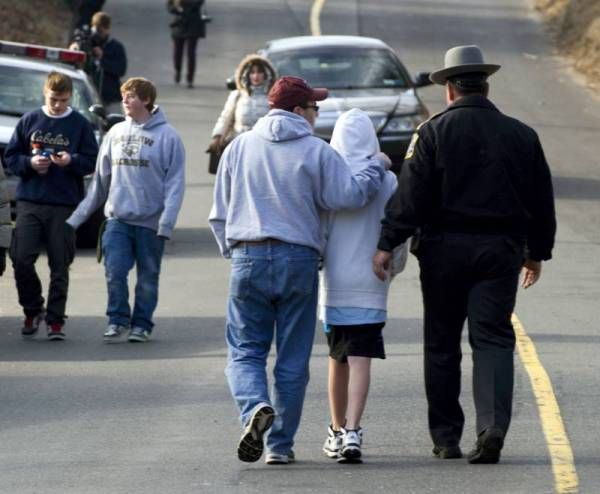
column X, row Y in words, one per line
column 342, row 68
column 21, row 90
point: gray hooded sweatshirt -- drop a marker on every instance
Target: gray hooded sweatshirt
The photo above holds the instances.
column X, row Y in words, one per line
column 274, row 181
column 347, row 278
column 140, row 172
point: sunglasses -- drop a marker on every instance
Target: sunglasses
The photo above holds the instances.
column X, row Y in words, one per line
column 314, row 107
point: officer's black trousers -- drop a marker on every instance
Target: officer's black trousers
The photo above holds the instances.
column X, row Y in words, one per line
column 473, row 277
column 41, row 225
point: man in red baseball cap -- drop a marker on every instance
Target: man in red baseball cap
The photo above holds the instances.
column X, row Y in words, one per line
column 272, row 186
column 294, row 94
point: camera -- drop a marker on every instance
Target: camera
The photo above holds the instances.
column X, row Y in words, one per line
column 87, row 39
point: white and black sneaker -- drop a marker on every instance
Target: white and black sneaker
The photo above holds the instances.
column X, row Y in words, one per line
column 114, row 332
column 351, row 446
column 333, row 443
column 279, row 458
column 250, row 447
column 139, row 335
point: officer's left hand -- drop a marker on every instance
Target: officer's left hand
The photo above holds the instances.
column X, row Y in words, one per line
column 381, row 264
column 61, row 158
column 532, row 271
column 97, row 51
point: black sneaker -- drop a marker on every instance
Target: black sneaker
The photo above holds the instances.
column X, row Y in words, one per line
column 250, row 447
column 31, row 325
column 447, row 452
column 487, row 448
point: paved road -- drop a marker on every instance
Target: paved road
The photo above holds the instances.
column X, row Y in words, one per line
column 80, row 416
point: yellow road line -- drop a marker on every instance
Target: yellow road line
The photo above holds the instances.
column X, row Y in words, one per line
column 561, row 455
column 315, row 17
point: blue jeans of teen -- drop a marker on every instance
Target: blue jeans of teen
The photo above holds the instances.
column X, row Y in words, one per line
column 123, row 246
column 272, row 294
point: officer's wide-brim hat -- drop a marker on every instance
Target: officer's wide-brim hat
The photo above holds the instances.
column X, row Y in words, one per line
column 462, row 60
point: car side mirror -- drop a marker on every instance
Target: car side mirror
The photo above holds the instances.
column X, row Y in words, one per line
column 98, row 110
column 422, row 79
column 113, row 119
column 230, row 83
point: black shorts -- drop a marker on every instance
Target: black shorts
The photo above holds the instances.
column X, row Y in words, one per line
column 360, row 340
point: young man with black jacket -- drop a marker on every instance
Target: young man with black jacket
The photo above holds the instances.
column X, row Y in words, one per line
column 112, row 63
column 51, row 150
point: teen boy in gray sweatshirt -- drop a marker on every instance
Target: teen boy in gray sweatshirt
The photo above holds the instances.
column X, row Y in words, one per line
column 140, row 174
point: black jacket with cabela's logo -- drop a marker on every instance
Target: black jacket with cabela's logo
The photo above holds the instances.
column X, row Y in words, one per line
column 472, row 169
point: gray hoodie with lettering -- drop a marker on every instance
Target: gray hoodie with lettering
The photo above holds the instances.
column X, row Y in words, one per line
column 140, row 172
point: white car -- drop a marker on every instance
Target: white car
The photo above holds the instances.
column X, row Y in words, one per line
column 23, row 71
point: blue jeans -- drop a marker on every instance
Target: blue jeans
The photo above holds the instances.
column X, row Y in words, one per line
column 124, row 245
column 273, row 291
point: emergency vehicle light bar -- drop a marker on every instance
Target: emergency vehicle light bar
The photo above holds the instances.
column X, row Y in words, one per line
column 48, row 53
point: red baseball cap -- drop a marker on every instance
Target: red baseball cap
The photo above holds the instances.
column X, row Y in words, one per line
column 289, row 91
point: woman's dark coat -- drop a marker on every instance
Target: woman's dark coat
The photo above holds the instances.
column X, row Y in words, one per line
column 187, row 19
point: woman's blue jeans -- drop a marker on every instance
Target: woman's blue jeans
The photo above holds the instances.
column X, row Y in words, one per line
column 124, row 245
column 272, row 293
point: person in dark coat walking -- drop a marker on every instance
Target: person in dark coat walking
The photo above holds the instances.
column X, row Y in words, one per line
column 187, row 26
column 477, row 185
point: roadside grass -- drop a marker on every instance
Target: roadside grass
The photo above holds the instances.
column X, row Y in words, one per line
column 576, row 28
column 41, row 22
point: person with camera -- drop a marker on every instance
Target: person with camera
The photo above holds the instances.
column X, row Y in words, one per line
column 109, row 60
column 51, row 150
column 187, row 25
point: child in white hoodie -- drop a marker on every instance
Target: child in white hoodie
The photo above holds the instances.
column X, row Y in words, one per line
column 353, row 300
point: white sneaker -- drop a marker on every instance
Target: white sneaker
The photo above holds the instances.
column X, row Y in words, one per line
column 333, row 443
column 280, row 459
column 351, row 446
column 114, row 332
column 139, row 335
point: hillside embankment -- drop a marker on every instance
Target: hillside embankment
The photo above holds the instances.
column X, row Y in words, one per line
column 42, row 22
column 575, row 26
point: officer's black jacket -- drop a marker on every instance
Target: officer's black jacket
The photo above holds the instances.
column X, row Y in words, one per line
column 472, row 169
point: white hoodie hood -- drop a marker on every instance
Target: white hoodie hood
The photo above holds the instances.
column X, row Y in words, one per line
column 354, row 138
column 347, row 279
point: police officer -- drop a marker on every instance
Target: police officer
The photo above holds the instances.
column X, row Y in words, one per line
column 476, row 185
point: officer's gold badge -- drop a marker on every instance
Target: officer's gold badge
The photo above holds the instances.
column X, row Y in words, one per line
column 411, row 147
